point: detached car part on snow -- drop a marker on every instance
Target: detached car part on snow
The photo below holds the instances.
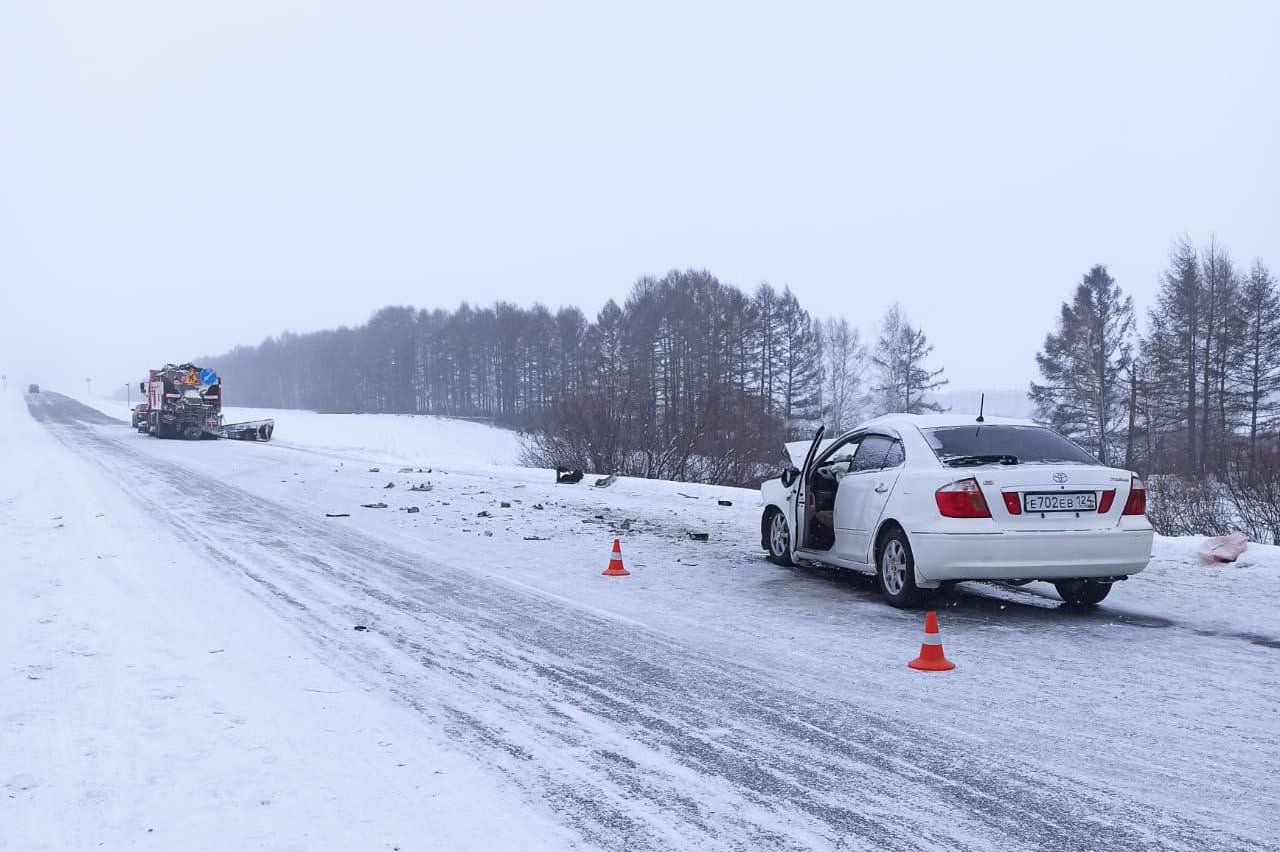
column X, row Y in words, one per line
column 185, row 401
column 927, row 500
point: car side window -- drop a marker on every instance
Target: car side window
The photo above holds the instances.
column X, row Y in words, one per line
column 895, row 456
column 871, row 453
column 841, row 456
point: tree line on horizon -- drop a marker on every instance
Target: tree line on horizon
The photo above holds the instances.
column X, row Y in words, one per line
column 688, row 378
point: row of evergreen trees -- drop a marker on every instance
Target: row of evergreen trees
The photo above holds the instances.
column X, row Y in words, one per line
column 1196, row 393
column 689, row 378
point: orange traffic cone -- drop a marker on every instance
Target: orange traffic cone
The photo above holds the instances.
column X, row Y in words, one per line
column 931, row 658
column 615, row 568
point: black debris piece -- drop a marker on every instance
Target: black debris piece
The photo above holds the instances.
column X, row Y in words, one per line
column 725, row 502
column 373, row 505
column 504, row 505
column 360, row 627
column 373, row 470
column 422, row 486
column 484, row 513
column 406, row 470
column 337, row 514
column 564, row 476
column 389, row 485
column 605, row 482
column 539, row 506
column 412, row 510
column 699, row 536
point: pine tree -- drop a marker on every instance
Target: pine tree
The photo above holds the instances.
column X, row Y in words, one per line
column 1085, row 364
column 1260, row 374
column 800, row 366
column 1171, row 353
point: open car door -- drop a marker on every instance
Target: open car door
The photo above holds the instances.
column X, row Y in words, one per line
column 799, row 516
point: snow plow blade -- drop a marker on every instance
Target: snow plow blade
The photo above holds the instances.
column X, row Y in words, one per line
column 251, row 430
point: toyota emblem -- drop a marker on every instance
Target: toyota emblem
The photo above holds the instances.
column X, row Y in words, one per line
column 1059, row 477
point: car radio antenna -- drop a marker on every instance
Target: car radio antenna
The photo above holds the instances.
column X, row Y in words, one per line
column 982, row 403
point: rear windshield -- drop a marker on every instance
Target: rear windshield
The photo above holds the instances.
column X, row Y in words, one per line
column 1025, row 443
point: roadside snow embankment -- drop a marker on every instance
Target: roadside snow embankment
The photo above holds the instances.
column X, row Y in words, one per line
column 407, row 438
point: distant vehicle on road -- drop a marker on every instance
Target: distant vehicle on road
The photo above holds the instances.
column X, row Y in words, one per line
column 33, row 389
column 922, row 500
column 140, row 414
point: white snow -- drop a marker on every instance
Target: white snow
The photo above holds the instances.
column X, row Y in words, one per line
column 1152, row 722
column 148, row 704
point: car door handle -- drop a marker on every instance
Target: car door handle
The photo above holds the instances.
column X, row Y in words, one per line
column 881, row 488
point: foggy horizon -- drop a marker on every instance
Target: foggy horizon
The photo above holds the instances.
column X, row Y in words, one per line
column 182, row 181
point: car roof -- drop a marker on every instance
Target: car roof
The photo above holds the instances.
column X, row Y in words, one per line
column 941, row 421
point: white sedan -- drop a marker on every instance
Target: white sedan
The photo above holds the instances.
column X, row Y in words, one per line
column 923, row 500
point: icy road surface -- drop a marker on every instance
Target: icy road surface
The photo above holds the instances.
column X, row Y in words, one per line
column 709, row 701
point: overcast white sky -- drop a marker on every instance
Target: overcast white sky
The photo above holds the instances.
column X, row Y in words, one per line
column 177, row 178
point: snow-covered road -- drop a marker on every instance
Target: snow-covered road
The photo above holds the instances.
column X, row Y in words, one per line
column 709, row 701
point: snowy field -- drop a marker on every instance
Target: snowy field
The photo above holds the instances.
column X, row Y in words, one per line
column 183, row 669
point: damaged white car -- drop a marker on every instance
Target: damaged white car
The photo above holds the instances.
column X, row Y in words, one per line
column 922, row 500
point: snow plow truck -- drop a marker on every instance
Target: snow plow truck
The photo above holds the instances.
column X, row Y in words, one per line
column 185, row 401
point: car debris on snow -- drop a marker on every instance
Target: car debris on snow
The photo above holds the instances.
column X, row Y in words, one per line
column 389, row 485
column 406, row 470
column 484, row 513
column 337, row 514
column 605, row 482
column 373, row 505
column 504, row 505
column 422, row 486
column 564, row 476
column 725, row 502
column 412, row 510
column 539, row 506
column 699, row 536
column 374, row 470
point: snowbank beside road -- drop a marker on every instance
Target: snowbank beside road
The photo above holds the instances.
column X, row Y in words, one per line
column 416, row 439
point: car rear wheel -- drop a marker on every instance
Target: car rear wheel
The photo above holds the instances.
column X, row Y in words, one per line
column 778, row 536
column 1082, row 592
column 896, row 571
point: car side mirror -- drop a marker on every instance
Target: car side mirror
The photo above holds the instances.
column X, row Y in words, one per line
column 789, row 476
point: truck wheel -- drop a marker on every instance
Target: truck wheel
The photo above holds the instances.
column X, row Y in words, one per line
column 192, row 433
column 777, row 536
column 896, row 570
column 1082, row 592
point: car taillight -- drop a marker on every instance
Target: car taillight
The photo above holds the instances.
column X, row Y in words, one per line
column 1137, row 502
column 1012, row 503
column 1108, row 497
column 962, row 499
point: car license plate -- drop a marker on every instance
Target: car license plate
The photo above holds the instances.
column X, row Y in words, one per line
column 1061, row 501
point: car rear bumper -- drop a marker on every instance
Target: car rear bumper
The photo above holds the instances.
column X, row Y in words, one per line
column 1031, row 555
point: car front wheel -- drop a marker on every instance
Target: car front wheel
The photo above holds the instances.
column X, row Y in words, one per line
column 1082, row 592
column 896, row 571
column 778, row 534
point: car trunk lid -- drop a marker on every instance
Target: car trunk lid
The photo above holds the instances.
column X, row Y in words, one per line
column 1027, row 497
